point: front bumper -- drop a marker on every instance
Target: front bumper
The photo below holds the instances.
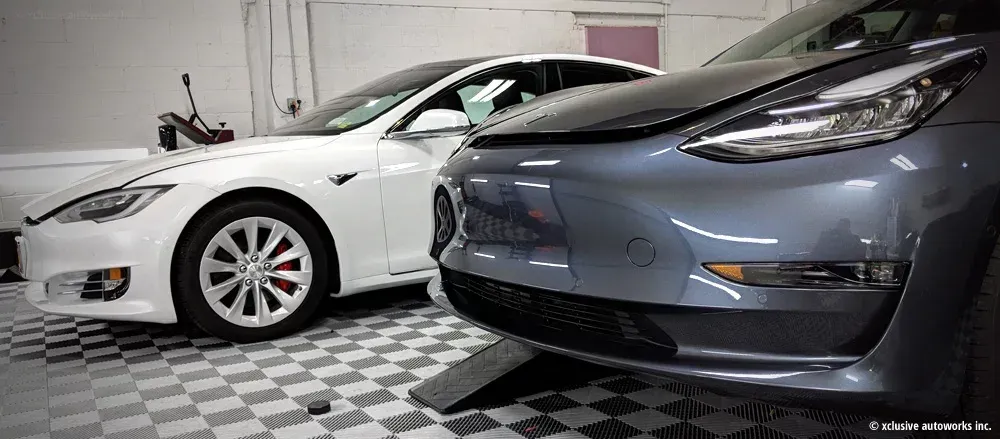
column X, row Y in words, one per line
column 143, row 243
column 853, row 387
column 562, row 233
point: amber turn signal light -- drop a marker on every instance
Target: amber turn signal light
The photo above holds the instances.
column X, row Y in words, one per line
column 847, row 275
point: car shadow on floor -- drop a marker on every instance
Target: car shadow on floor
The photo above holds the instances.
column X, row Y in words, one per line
column 330, row 307
column 334, row 305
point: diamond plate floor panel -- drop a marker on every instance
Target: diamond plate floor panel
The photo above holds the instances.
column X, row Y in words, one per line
column 63, row 377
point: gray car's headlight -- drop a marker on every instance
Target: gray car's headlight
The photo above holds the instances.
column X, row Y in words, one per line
column 877, row 107
column 110, row 206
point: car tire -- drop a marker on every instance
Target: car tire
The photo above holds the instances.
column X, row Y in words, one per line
column 980, row 392
column 195, row 278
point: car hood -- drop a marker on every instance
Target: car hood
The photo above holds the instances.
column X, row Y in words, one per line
column 658, row 99
column 123, row 173
column 536, row 105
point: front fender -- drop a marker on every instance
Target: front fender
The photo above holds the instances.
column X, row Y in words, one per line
column 352, row 212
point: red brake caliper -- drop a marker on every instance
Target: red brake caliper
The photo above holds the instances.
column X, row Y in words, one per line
column 284, row 285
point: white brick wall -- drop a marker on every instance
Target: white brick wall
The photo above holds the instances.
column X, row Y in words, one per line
column 697, row 30
column 95, row 73
column 351, row 44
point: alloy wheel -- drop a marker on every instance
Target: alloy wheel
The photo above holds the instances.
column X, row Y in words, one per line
column 444, row 220
column 256, row 271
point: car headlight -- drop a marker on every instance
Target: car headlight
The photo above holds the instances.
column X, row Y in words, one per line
column 877, row 107
column 110, row 206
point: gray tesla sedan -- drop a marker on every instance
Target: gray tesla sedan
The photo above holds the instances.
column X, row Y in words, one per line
column 811, row 217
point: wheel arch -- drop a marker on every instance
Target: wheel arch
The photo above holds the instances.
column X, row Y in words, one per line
column 278, row 196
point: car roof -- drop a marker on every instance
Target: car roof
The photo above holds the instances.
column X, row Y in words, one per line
column 459, row 64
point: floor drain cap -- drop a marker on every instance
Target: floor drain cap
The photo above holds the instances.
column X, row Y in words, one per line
column 319, row 407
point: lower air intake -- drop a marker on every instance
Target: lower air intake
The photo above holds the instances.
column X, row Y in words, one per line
column 588, row 324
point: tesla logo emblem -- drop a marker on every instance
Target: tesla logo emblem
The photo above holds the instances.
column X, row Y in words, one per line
column 444, row 221
column 538, row 117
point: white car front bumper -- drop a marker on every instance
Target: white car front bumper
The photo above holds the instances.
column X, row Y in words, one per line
column 143, row 243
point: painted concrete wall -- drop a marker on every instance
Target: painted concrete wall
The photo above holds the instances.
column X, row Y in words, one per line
column 93, row 74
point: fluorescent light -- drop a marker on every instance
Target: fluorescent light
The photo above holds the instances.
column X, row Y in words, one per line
column 486, row 90
column 850, row 45
column 903, row 162
column 930, row 43
column 475, row 158
column 548, row 264
column 502, row 88
column 539, row 163
column 738, row 354
column 399, row 167
column 867, row 184
column 725, row 237
column 693, row 128
column 959, row 53
column 724, row 288
column 485, row 255
column 521, row 183
column 479, row 180
column 902, row 165
column 755, row 375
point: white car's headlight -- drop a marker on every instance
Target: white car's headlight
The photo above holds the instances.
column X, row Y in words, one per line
column 876, row 107
column 110, row 206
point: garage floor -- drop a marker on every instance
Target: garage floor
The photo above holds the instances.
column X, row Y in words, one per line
column 76, row 378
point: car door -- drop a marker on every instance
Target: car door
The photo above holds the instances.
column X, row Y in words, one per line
column 406, row 166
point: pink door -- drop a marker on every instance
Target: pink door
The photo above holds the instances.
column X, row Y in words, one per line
column 640, row 45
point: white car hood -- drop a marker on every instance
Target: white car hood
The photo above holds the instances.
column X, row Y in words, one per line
column 126, row 172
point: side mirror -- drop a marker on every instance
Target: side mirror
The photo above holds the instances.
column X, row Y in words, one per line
column 435, row 123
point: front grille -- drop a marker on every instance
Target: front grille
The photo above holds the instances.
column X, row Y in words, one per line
column 567, row 320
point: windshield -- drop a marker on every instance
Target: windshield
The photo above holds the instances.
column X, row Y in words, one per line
column 363, row 104
column 857, row 24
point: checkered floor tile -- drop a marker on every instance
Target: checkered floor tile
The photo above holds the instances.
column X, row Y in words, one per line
column 62, row 377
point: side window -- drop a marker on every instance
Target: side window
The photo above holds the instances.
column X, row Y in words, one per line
column 852, row 30
column 944, row 27
column 484, row 95
column 577, row 75
column 369, row 111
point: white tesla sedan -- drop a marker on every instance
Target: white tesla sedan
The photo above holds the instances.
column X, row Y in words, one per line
column 245, row 238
